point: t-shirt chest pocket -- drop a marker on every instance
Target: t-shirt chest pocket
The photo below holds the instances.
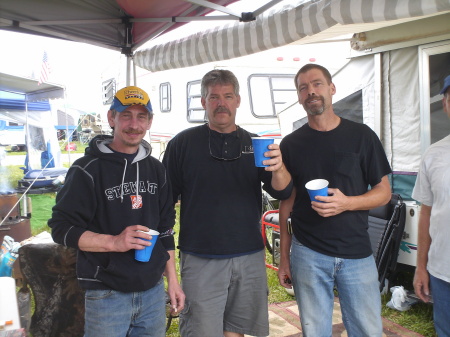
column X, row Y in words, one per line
column 347, row 164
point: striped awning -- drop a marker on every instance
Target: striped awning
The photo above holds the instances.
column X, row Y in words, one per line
column 276, row 28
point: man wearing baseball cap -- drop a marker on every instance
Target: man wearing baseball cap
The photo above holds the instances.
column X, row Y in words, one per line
column 112, row 196
column 432, row 276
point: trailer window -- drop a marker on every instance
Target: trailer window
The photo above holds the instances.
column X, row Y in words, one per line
column 195, row 111
column 165, row 97
column 439, row 121
column 434, row 122
column 270, row 94
column 108, row 91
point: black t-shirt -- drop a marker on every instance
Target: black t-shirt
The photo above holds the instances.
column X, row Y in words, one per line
column 221, row 200
column 351, row 158
column 128, row 156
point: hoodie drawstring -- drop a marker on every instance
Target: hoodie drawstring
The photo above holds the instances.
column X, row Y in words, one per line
column 123, row 179
column 137, row 180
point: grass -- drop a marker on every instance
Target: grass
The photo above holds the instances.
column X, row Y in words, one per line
column 62, row 145
column 42, row 212
column 417, row 319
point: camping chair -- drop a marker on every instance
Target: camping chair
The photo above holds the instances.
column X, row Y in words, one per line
column 386, row 226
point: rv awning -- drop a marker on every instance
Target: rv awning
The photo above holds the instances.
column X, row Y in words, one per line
column 304, row 22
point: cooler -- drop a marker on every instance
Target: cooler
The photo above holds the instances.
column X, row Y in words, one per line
column 408, row 246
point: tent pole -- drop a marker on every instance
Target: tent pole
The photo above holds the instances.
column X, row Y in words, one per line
column 27, row 134
column 69, row 148
column 134, row 74
column 128, row 70
column 378, row 69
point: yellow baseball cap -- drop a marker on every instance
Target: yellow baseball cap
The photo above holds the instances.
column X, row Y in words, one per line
column 130, row 96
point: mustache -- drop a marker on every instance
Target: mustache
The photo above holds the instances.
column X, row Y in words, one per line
column 222, row 109
column 133, row 131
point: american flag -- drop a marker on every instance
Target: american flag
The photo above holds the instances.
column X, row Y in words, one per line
column 45, row 70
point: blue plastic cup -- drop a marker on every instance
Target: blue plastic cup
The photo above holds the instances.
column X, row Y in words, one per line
column 317, row 187
column 143, row 255
column 260, row 145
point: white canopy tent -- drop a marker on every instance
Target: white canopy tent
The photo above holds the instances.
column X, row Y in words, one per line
column 30, row 88
column 299, row 22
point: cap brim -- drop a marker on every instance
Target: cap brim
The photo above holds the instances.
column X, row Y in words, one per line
column 444, row 89
column 119, row 107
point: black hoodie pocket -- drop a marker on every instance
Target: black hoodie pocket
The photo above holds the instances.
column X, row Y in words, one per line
column 120, row 271
column 125, row 273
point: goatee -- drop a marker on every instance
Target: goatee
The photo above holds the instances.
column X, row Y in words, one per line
column 315, row 109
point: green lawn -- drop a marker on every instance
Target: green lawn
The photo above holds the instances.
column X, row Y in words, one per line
column 42, row 207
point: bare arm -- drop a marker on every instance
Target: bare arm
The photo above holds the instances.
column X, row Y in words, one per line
column 280, row 175
column 421, row 278
column 176, row 294
column 284, row 272
column 128, row 239
column 337, row 203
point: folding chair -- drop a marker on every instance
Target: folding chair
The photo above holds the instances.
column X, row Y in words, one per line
column 386, row 226
column 270, row 230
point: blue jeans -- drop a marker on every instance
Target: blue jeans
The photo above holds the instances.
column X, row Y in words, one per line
column 441, row 306
column 112, row 313
column 314, row 277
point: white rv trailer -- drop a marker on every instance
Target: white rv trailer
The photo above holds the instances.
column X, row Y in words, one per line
column 266, row 87
column 12, row 134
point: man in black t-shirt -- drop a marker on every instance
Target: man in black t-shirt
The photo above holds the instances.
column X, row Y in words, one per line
column 222, row 260
column 329, row 246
